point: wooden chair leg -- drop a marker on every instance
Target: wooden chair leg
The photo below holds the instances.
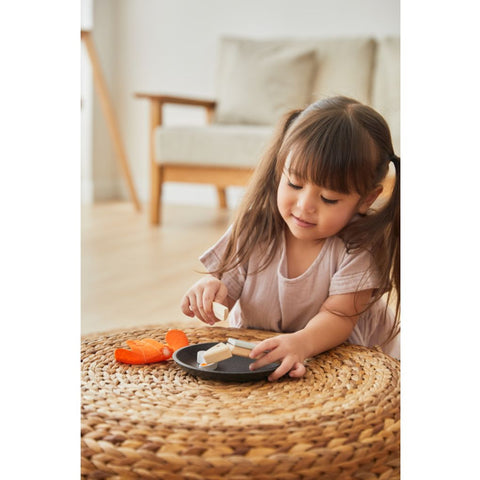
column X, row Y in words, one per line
column 222, row 197
column 156, row 194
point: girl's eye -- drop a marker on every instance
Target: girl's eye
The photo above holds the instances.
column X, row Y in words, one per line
column 296, row 187
column 329, row 201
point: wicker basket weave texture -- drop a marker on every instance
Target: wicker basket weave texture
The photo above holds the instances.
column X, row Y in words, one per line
column 340, row 421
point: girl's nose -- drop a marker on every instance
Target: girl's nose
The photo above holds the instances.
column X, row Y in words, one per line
column 306, row 202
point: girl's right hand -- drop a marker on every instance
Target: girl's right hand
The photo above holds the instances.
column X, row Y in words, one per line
column 198, row 301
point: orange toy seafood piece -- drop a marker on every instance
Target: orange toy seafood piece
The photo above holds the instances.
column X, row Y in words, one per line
column 149, row 350
column 143, row 351
column 176, row 339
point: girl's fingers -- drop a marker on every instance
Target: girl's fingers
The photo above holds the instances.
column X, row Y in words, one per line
column 265, row 352
column 185, row 306
column 272, row 350
column 264, row 355
column 207, row 303
column 263, row 347
column 199, row 306
column 194, row 304
column 194, row 307
column 298, row 370
column 284, row 367
column 198, row 301
column 215, row 291
column 261, row 362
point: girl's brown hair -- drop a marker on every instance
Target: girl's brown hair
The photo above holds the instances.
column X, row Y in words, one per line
column 342, row 145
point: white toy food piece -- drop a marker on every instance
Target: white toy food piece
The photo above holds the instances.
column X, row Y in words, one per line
column 220, row 311
column 241, row 352
column 217, row 353
column 241, row 343
column 203, row 364
column 240, row 347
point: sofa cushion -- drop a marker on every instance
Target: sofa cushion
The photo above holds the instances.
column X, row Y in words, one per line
column 386, row 85
column 225, row 145
column 258, row 81
column 344, row 67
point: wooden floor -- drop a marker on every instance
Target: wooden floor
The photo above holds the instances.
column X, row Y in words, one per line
column 134, row 274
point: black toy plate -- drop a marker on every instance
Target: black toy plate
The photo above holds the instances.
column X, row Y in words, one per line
column 234, row 369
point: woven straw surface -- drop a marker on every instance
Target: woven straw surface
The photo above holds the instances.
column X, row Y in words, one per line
column 340, row 421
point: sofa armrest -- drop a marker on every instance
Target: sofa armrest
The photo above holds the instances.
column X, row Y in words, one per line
column 158, row 100
column 178, row 100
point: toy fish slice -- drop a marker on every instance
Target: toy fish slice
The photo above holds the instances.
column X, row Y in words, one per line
column 148, row 350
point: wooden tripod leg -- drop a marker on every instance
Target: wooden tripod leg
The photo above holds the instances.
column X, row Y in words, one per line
column 109, row 114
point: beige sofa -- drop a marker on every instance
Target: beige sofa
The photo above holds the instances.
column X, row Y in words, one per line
column 257, row 82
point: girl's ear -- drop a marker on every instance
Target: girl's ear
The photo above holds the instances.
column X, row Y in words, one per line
column 367, row 201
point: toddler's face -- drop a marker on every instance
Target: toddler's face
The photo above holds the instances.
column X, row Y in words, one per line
column 314, row 213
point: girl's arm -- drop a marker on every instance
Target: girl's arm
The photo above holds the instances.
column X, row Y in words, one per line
column 198, row 301
column 332, row 325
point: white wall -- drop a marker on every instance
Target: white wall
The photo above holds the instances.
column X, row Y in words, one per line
column 106, row 174
column 169, row 46
column 86, row 85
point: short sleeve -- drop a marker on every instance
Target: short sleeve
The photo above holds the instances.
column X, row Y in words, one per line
column 234, row 279
column 355, row 272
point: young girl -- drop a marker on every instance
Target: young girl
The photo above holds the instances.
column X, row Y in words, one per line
column 306, row 255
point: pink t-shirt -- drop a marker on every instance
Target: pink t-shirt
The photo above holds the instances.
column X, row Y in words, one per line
column 269, row 300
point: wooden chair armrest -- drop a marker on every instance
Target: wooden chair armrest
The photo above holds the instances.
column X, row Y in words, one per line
column 157, row 101
column 196, row 102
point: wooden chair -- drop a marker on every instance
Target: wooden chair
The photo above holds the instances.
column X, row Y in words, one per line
column 220, row 176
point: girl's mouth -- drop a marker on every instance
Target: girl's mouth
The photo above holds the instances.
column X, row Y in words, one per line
column 302, row 223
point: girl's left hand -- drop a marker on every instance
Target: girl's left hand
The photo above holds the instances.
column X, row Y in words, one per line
column 286, row 348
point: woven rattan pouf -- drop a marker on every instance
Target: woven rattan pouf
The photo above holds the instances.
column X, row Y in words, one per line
column 340, row 421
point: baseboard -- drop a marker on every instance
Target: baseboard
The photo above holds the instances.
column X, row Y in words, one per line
column 173, row 193
column 188, row 194
column 106, row 190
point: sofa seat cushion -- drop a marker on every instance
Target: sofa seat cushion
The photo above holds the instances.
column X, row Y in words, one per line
column 223, row 145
